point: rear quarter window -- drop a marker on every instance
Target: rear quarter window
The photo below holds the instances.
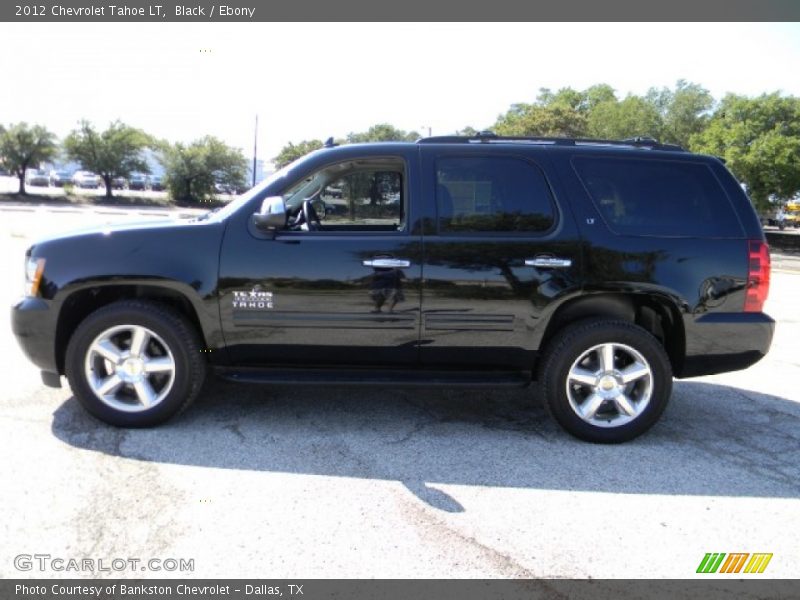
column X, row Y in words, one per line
column 658, row 197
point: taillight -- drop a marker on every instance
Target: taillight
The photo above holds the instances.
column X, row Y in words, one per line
column 757, row 276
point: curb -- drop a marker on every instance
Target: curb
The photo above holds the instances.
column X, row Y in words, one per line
column 156, row 212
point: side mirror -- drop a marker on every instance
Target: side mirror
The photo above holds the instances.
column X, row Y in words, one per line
column 272, row 214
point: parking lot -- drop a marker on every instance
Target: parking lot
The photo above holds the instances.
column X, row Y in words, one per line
column 342, row 482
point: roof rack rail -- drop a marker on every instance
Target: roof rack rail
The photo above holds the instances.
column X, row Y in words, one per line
column 491, row 137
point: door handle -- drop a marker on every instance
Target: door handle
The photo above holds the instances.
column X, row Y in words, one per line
column 387, row 263
column 548, row 262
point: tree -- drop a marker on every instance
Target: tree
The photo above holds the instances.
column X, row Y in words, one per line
column 23, row 146
column 468, row 131
column 554, row 120
column 597, row 112
column 684, row 112
column 759, row 138
column 383, row 132
column 193, row 170
column 631, row 117
column 116, row 152
column 566, row 97
column 556, row 114
column 602, row 92
column 291, row 152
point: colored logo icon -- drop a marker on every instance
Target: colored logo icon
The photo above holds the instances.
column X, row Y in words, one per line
column 736, row 562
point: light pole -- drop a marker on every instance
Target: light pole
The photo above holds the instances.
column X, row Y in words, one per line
column 255, row 151
column 428, row 127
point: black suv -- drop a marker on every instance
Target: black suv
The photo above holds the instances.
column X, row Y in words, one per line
column 598, row 269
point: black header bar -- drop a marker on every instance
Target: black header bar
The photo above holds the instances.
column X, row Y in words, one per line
column 408, row 10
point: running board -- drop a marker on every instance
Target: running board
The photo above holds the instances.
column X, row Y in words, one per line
column 386, row 377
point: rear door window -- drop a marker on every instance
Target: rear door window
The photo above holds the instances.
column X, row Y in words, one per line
column 492, row 195
column 658, row 198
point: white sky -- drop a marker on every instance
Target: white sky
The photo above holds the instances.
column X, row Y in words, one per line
column 311, row 80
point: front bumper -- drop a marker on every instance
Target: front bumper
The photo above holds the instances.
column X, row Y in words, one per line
column 722, row 342
column 32, row 322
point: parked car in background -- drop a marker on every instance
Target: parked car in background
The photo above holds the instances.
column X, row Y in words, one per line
column 230, row 189
column 37, row 177
column 119, row 183
column 792, row 214
column 223, row 188
column 86, row 180
column 138, row 181
column 156, row 184
column 60, row 178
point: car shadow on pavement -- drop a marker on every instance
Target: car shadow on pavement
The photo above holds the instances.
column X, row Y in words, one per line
column 712, row 440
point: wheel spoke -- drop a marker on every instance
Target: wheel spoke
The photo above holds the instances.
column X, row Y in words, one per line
column 590, row 405
column 139, row 340
column 583, row 376
column 609, row 384
column 635, row 371
column 109, row 385
column 607, row 357
column 107, row 350
column 145, row 392
column 123, row 364
column 162, row 364
column 625, row 406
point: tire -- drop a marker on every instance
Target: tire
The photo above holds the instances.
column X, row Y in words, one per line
column 599, row 404
column 152, row 384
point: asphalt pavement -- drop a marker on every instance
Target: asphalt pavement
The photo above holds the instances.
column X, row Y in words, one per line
column 341, row 482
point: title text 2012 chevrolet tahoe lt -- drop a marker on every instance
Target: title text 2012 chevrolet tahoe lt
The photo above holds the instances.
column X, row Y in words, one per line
column 599, row 269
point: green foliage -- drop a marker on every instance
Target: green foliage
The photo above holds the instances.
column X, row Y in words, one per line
column 631, row 117
column 565, row 97
column 468, row 131
column 292, row 152
column 383, row 132
column 115, row 152
column 545, row 121
column 596, row 94
column 193, row 170
column 552, row 115
column 23, row 146
column 684, row 112
column 668, row 115
column 759, row 138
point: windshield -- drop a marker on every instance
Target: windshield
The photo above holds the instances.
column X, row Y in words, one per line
column 234, row 205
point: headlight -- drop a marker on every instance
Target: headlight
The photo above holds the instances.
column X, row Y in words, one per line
column 34, row 267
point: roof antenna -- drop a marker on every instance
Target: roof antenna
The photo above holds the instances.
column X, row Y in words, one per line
column 329, row 143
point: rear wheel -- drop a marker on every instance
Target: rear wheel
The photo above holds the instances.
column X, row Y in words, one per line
column 135, row 363
column 606, row 381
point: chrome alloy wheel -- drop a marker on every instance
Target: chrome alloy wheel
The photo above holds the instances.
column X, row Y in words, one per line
column 609, row 385
column 130, row 368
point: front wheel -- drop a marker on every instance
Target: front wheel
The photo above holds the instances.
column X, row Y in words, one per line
column 606, row 381
column 135, row 363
